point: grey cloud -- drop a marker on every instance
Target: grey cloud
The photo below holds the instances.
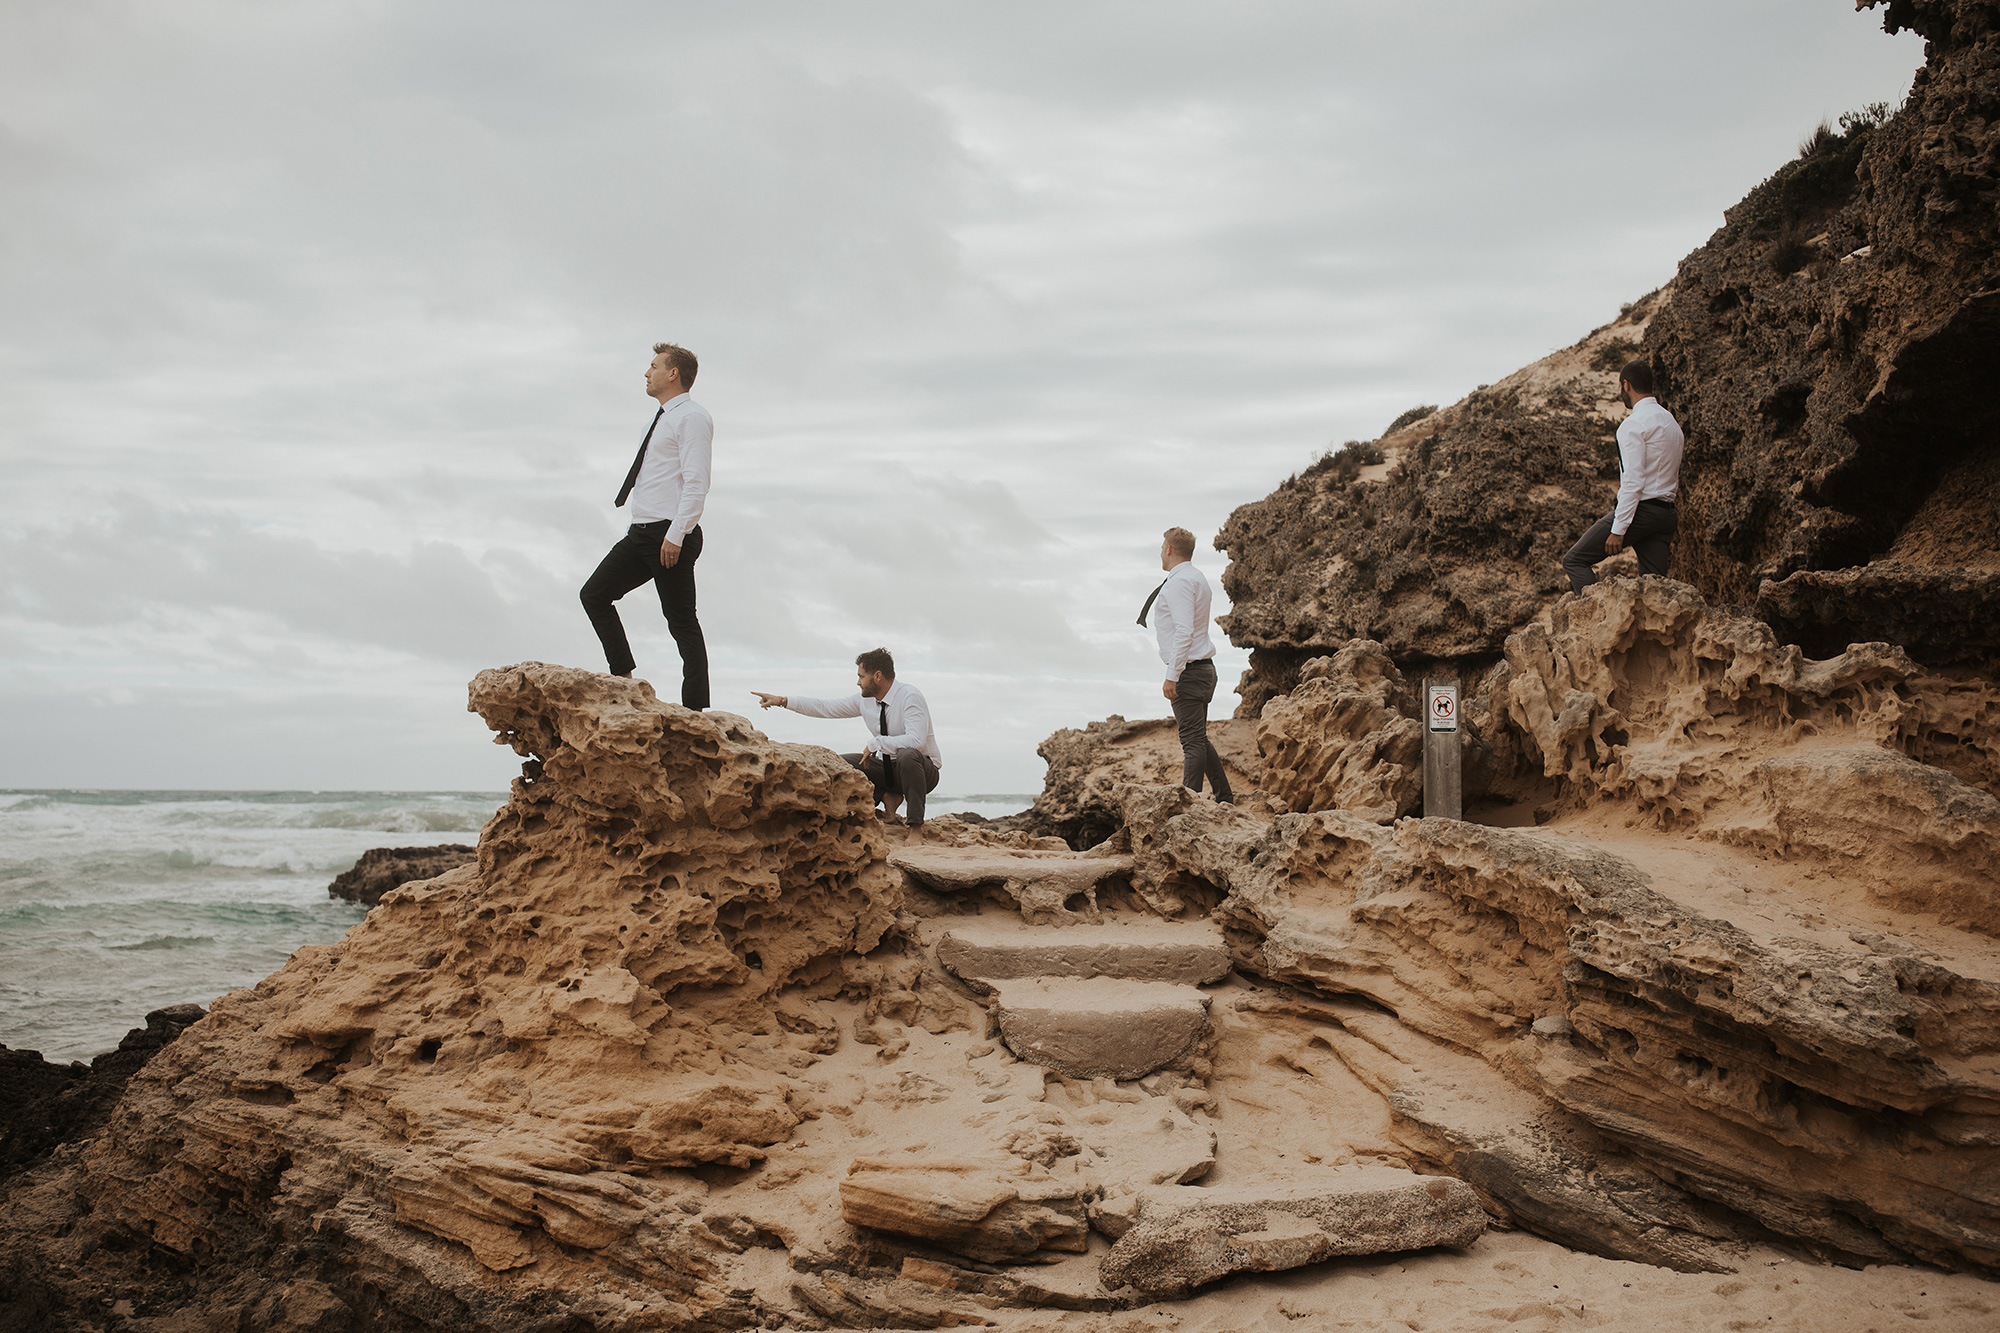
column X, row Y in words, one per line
column 353, row 300
column 432, row 601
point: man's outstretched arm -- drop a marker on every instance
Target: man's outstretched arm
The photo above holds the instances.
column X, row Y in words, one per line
column 848, row 707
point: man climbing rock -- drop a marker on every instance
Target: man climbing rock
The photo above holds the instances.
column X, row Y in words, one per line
column 1649, row 476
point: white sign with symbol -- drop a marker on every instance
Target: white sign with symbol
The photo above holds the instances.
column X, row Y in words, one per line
column 1444, row 707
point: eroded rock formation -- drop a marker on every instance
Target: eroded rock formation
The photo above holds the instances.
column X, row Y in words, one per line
column 487, row 1075
column 1087, row 764
column 1755, row 961
column 688, row 1047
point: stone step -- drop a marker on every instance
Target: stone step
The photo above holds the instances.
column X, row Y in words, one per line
column 1189, row 952
column 1042, row 884
column 1181, row 1238
column 1099, row 1027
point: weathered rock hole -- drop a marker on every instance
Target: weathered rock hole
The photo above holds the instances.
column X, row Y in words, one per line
column 427, row 1050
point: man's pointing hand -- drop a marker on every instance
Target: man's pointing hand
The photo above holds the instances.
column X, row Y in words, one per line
column 769, row 700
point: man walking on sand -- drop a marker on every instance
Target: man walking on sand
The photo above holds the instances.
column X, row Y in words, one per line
column 1180, row 611
column 668, row 487
column 1649, row 477
column 901, row 756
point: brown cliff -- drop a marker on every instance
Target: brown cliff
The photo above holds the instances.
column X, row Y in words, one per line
column 1449, row 543
column 1829, row 352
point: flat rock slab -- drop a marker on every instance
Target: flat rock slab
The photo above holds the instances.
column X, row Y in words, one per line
column 1042, row 884
column 1102, row 1027
column 1188, row 952
column 1183, row 1238
column 986, row 1211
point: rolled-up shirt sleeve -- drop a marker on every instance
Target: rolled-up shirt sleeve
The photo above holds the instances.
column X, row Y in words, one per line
column 697, row 440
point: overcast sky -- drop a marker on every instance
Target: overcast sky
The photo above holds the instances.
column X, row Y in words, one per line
column 322, row 328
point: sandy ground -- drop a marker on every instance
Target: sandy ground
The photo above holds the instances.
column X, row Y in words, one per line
column 1512, row 1280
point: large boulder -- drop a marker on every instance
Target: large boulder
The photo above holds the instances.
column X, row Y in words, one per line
column 1346, row 737
column 1087, row 764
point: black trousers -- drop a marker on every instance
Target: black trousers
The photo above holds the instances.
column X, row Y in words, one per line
column 909, row 773
column 1198, row 757
column 636, row 560
column 1650, row 537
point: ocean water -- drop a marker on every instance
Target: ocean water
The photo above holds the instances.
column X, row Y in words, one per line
column 116, row 902
column 113, row 903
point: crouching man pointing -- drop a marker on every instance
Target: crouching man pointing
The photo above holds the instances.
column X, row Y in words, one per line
column 901, row 755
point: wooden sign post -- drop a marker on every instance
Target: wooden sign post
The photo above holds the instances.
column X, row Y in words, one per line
column 1441, row 785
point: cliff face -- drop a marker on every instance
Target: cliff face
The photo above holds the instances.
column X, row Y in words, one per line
column 1448, row 544
column 1831, row 353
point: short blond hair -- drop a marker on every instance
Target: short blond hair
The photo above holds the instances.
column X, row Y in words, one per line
column 1180, row 541
column 681, row 359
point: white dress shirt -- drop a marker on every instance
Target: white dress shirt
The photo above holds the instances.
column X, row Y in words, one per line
column 1649, row 459
column 673, row 481
column 909, row 719
column 1180, row 618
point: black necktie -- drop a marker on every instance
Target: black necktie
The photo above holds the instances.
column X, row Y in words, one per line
column 884, row 706
column 1147, row 609
column 632, row 477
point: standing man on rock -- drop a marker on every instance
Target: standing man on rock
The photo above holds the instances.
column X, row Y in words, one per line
column 1180, row 611
column 668, row 487
column 1649, row 477
column 901, row 756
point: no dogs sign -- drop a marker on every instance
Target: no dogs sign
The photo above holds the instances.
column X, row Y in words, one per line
column 1442, row 706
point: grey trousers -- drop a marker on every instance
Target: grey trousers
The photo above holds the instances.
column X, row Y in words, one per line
column 1198, row 757
column 1650, row 537
column 909, row 773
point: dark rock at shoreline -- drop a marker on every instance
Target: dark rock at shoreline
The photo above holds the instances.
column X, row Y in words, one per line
column 43, row 1104
column 381, row 869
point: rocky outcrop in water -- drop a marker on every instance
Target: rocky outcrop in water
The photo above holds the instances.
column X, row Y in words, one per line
column 382, row 869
